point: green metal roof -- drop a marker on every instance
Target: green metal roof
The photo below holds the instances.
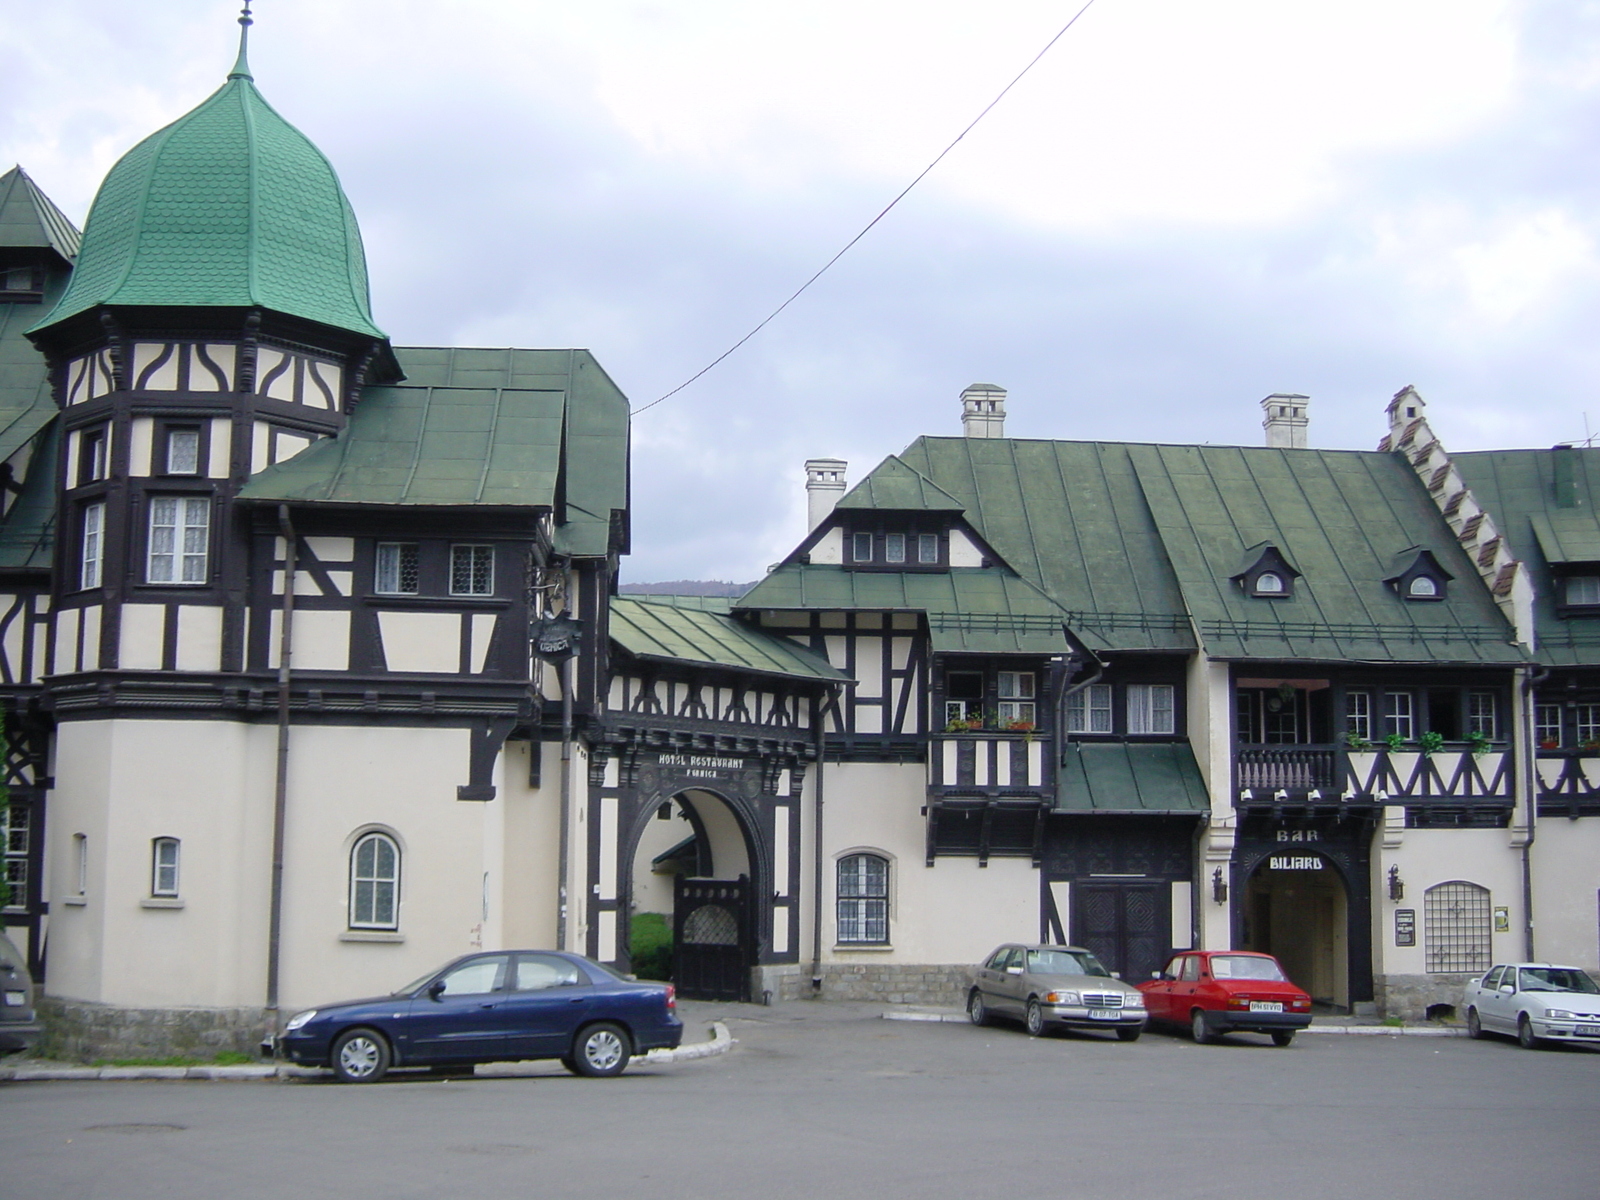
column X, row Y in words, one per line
column 1340, row 517
column 895, row 486
column 1069, row 517
column 969, row 609
column 1518, row 489
column 29, row 218
column 654, row 628
column 229, row 206
column 27, row 533
column 469, row 428
column 1153, row 777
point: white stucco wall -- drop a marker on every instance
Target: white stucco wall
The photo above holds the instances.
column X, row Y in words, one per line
column 1566, row 891
column 1427, row 857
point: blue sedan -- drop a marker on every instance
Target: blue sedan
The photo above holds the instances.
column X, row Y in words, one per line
column 506, row 1005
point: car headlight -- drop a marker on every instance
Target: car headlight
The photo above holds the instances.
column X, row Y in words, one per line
column 1560, row 1014
column 1134, row 1001
column 1062, row 998
column 299, row 1019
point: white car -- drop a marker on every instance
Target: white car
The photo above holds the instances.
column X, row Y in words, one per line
column 1534, row 1002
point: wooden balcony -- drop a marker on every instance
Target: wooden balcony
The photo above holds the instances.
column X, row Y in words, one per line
column 989, row 762
column 1455, row 773
column 1569, row 782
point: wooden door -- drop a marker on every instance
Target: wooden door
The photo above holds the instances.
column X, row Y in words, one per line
column 712, row 944
column 1126, row 924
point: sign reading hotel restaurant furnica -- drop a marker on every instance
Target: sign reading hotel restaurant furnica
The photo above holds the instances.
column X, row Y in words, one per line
column 1295, row 862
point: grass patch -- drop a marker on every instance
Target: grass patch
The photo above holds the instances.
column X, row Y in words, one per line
column 650, row 945
column 224, row 1058
column 1393, row 1021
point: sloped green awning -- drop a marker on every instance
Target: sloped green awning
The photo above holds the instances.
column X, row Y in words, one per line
column 656, row 629
column 1154, row 777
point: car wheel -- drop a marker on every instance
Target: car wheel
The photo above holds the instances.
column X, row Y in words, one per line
column 601, row 1050
column 1198, row 1029
column 1474, row 1026
column 1282, row 1037
column 977, row 1010
column 1131, row 1034
column 360, row 1056
column 1525, row 1035
column 1035, row 1019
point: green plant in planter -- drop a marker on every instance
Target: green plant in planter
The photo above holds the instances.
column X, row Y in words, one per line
column 1394, row 741
column 1479, row 741
column 1431, row 742
column 1356, row 742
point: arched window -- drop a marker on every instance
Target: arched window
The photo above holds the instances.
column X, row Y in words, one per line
column 1269, row 583
column 164, row 867
column 1423, row 587
column 375, row 882
column 1456, row 928
column 863, row 900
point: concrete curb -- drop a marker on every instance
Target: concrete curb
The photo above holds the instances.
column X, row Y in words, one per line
column 955, row 1018
column 721, row 1042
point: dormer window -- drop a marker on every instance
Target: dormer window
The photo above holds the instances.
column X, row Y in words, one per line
column 928, row 549
column 1418, row 576
column 20, row 283
column 894, row 548
column 861, row 547
column 1582, row 591
column 1266, row 574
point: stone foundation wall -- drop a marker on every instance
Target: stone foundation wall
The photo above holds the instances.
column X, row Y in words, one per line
column 76, row 1031
column 1408, row 996
column 892, row 983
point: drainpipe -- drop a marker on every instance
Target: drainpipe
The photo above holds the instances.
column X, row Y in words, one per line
column 1532, row 678
column 1061, row 705
column 818, row 735
column 280, row 798
column 563, row 875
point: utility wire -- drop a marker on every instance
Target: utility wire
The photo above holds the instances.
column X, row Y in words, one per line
column 868, row 228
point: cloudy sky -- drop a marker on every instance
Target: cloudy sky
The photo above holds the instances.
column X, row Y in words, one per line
column 1184, row 207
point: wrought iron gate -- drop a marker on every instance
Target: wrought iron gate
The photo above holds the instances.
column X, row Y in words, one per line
column 712, row 943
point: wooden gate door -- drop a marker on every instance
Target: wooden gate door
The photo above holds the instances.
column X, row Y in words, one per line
column 711, row 942
column 1125, row 924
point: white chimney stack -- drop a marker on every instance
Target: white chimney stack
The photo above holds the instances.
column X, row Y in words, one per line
column 824, row 487
column 983, row 411
column 1285, row 420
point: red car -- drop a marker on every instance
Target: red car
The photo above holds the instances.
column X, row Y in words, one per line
column 1227, row 991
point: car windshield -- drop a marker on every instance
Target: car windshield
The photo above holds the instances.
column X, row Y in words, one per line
column 1244, row 966
column 414, row 984
column 1556, row 979
column 1065, row 962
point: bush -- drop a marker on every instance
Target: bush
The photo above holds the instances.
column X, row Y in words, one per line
column 650, row 946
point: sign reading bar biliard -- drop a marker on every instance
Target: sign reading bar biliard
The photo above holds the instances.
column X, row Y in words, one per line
column 556, row 638
column 1405, row 927
column 1295, row 862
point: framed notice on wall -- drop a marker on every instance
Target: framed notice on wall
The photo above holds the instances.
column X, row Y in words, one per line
column 1405, row 927
column 1502, row 919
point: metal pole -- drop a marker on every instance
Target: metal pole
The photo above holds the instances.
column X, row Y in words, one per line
column 280, row 799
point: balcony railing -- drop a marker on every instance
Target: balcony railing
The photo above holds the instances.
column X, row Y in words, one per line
column 990, row 762
column 1456, row 771
column 1287, row 768
column 1568, row 774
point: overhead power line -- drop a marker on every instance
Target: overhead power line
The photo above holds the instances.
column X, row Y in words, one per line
column 799, row 291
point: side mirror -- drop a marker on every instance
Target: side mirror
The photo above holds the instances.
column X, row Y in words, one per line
column 436, row 989
column 1158, row 974
column 1013, row 970
column 1508, row 988
column 1116, row 974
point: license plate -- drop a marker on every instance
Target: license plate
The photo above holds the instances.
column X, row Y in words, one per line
column 1099, row 1014
column 1266, row 1006
column 1588, row 1031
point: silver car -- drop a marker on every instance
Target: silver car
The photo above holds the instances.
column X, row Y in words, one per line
column 1534, row 1002
column 1048, row 987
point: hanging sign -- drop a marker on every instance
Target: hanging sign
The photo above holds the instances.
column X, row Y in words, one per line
column 557, row 638
column 1405, row 927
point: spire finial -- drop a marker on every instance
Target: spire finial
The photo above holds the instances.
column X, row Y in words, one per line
column 241, row 69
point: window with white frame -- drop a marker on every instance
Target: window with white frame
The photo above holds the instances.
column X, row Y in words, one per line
column 1016, row 698
column 1456, row 928
column 1423, row 587
column 861, row 547
column 183, row 452
column 1150, row 708
column 1269, row 583
column 94, row 535
column 180, row 539
column 1547, row 726
column 927, row 548
column 1399, row 715
column 164, row 867
column 1089, row 709
column 1588, row 723
column 863, row 900
column 1482, row 715
column 396, row 571
column 894, row 548
column 91, row 456
column 472, row 570
column 1358, row 715
column 15, row 842
column 375, row 882
column 1583, row 589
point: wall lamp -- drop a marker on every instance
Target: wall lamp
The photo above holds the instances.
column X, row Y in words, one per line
column 1219, row 887
column 1397, row 886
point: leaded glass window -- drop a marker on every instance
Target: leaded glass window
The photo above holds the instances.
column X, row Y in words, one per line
column 864, row 899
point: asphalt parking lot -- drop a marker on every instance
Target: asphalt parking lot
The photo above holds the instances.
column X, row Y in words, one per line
column 833, row 1101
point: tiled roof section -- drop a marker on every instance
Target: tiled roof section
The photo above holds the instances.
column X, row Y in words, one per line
column 26, row 402
column 1340, row 517
column 1070, row 518
column 1518, row 489
column 474, row 428
column 654, row 628
column 229, row 206
column 30, row 218
column 969, row 610
column 895, row 486
column 27, row 533
column 1160, row 777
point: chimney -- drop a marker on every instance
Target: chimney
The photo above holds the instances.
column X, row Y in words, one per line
column 824, row 488
column 983, row 411
column 1285, row 420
